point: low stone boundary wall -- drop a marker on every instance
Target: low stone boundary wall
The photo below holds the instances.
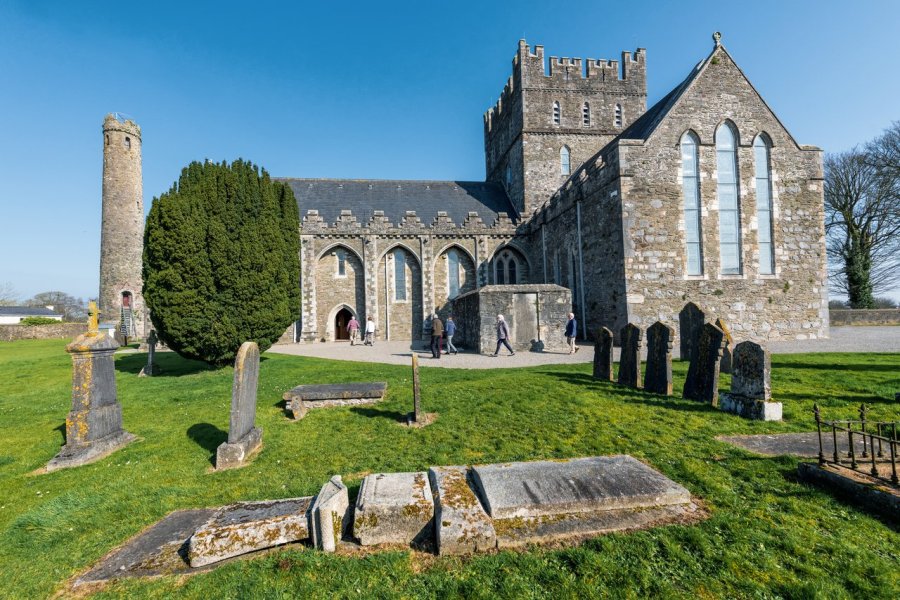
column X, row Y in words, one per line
column 878, row 316
column 9, row 333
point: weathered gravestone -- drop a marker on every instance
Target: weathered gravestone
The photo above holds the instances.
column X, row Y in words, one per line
column 329, row 515
column 725, row 363
column 751, row 390
column 690, row 323
column 151, row 368
column 658, row 379
column 243, row 435
column 94, row 425
column 630, row 358
column 603, row 355
column 702, row 381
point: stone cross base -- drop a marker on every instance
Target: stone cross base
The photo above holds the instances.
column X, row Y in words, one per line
column 234, row 454
column 750, row 408
column 75, row 455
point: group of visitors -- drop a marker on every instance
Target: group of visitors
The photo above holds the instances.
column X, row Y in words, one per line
column 353, row 328
column 440, row 331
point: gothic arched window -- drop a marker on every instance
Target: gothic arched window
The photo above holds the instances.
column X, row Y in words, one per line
column 764, row 204
column 729, row 202
column 564, row 161
column 506, row 268
column 453, row 273
column 556, row 113
column 690, row 189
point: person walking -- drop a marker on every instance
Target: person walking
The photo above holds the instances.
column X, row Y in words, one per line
column 353, row 327
column 437, row 333
column 503, row 336
column 370, row 331
column 572, row 333
column 450, row 328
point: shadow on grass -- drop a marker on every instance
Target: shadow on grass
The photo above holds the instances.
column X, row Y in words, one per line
column 836, row 366
column 62, row 431
column 378, row 413
column 208, row 437
column 170, row 364
column 632, row 395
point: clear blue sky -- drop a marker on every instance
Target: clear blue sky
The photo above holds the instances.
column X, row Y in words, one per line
column 369, row 90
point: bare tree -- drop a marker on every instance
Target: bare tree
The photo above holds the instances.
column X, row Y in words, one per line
column 8, row 294
column 71, row 308
column 862, row 222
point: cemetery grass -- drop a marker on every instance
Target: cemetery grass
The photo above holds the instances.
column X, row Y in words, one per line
column 767, row 536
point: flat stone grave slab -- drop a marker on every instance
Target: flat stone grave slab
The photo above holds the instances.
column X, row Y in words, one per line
column 580, row 485
column 805, row 444
column 394, row 508
column 158, row 550
column 461, row 526
column 248, row 526
column 305, row 397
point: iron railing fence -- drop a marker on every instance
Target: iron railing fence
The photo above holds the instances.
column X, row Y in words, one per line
column 879, row 443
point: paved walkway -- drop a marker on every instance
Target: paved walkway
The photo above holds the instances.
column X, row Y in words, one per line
column 843, row 339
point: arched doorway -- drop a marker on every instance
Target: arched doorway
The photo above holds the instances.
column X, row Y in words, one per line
column 341, row 319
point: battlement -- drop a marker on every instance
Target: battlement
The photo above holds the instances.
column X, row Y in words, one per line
column 313, row 222
column 117, row 122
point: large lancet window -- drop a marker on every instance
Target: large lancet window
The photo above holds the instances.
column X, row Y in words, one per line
column 729, row 202
column 399, row 275
column 690, row 187
column 453, row 273
column 564, row 161
column 764, row 204
column 556, row 113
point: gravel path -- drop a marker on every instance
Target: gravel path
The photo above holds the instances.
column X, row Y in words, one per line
column 843, row 339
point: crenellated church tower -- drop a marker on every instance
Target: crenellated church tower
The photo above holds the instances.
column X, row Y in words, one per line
column 122, row 231
column 548, row 121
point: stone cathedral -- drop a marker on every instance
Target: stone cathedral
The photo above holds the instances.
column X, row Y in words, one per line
column 703, row 197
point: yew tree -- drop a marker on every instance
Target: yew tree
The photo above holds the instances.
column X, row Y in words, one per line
column 222, row 261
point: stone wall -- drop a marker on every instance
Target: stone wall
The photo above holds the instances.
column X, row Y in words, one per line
column 9, row 333
column 535, row 314
column 881, row 316
column 335, row 291
column 403, row 319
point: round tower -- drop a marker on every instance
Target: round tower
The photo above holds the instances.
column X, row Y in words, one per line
column 122, row 231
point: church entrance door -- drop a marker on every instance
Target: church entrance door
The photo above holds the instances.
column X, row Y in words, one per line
column 340, row 324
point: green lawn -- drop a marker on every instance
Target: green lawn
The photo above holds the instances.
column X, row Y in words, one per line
column 768, row 535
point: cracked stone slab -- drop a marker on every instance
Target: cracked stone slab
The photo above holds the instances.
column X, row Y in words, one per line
column 328, row 516
column 248, row 526
column 305, row 397
column 394, row 508
column 547, row 488
column 461, row 525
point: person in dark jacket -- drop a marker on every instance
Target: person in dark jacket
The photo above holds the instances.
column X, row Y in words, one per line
column 451, row 330
column 503, row 336
column 572, row 333
column 437, row 333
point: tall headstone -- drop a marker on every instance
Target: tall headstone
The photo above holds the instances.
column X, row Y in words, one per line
column 94, row 425
column 725, row 364
column 243, row 435
column 751, row 389
column 658, row 379
column 630, row 358
column 702, row 381
column 690, row 323
column 151, row 368
column 603, row 355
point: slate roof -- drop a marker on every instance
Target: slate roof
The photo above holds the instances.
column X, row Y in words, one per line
column 647, row 122
column 395, row 197
column 27, row 311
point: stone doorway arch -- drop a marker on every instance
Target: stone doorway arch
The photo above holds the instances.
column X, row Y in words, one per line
column 341, row 319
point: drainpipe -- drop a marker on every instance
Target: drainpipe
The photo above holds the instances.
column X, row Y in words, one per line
column 580, row 272
column 544, row 250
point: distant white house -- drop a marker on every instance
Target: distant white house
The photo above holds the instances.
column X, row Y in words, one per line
column 12, row 315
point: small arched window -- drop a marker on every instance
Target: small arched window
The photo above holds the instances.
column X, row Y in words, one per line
column 690, row 189
column 564, row 161
column 617, row 119
column 586, row 115
column 508, row 176
column 729, row 201
column 500, row 277
column 107, row 139
column 341, row 264
column 556, row 113
column 764, row 204
column 127, row 143
column 506, row 268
